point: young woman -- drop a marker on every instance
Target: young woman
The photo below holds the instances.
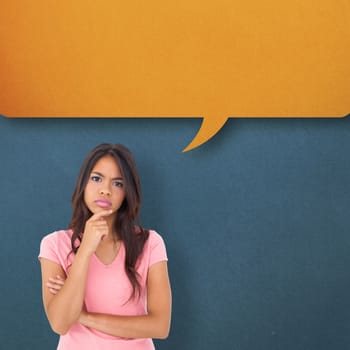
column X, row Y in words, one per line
column 105, row 282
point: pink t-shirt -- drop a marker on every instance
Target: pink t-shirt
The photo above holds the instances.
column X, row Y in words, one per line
column 107, row 291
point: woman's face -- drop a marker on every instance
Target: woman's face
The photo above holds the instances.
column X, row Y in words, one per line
column 105, row 187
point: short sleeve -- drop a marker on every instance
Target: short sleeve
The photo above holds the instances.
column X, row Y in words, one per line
column 48, row 248
column 56, row 247
column 157, row 248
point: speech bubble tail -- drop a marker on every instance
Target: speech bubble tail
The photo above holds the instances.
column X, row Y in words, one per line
column 209, row 128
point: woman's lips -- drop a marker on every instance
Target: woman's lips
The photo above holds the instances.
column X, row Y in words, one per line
column 103, row 203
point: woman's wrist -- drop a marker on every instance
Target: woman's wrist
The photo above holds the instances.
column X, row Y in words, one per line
column 84, row 253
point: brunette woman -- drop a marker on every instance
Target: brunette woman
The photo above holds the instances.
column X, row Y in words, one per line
column 105, row 281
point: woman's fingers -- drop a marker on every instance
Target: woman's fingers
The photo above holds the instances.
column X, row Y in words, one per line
column 57, row 279
column 96, row 229
column 100, row 215
column 55, row 284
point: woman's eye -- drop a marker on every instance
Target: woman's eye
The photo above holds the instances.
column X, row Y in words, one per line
column 118, row 184
column 95, row 178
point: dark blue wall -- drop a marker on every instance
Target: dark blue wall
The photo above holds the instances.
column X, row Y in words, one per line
column 256, row 223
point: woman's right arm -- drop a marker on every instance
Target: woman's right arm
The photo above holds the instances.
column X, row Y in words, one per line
column 64, row 308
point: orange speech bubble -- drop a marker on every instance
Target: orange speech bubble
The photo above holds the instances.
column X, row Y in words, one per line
column 182, row 59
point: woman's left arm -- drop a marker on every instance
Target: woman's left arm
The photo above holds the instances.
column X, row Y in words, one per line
column 156, row 324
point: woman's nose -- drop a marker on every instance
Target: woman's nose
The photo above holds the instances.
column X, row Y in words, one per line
column 105, row 191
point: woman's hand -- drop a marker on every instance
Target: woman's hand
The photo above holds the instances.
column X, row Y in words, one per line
column 54, row 284
column 96, row 229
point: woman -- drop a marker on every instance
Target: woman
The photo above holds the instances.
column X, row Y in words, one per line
column 105, row 282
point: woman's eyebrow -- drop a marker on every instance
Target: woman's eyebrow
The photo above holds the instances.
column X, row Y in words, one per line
column 99, row 174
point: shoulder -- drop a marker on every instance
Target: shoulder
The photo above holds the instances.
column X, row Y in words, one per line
column 56, row 246
column 58, row 241
column 57, row 237
column 155, row 248
column 155, row 237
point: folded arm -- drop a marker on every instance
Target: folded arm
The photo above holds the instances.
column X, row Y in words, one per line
column 63, row 307
column 155, row 324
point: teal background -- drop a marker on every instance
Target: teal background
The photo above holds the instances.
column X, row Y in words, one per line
column 256, row 223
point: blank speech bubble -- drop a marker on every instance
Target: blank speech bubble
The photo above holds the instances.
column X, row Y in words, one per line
column 183, row 59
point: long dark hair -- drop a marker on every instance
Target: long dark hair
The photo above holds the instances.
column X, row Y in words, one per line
column 127, row 224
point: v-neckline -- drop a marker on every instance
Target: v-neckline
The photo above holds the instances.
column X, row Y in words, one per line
column 121, row 247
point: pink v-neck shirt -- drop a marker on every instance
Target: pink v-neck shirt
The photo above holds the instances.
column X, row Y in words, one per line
column 107, row 291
